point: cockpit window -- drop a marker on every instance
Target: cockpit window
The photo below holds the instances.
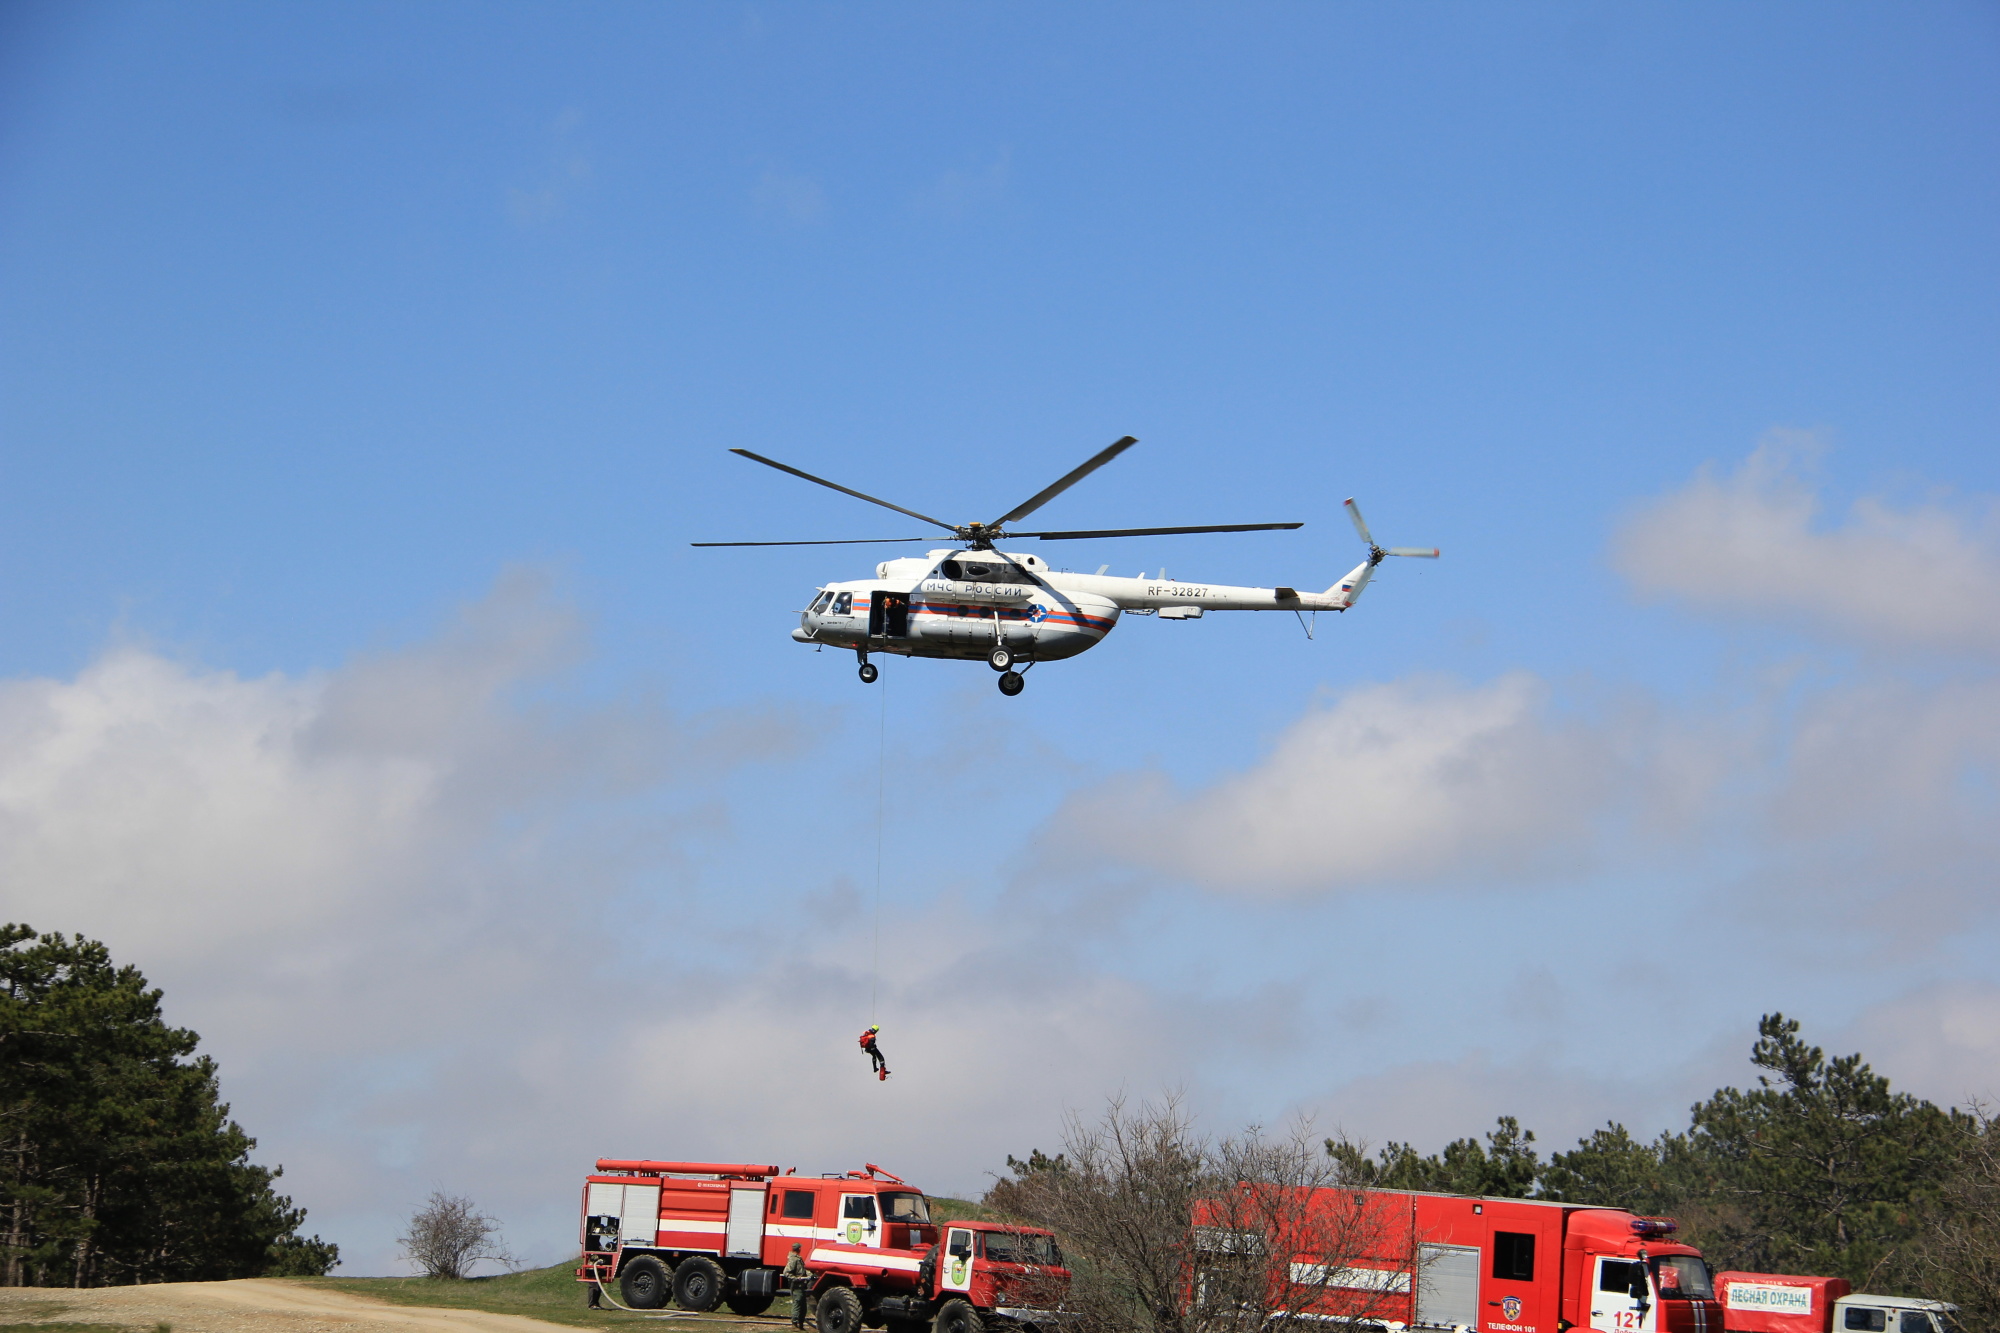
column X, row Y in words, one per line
column 988, row 570
column 843, row 605
column 820, row 602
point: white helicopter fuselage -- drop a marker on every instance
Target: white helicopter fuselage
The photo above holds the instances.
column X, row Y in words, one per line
column 965, row 603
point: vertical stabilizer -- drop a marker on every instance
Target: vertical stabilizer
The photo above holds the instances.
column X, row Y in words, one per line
column 1349, row 588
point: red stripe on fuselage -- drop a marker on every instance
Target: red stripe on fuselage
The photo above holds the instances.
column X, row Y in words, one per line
column 958, row 612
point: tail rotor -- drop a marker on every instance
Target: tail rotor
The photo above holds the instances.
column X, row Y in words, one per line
column 1349, row 588
column 1377, row 554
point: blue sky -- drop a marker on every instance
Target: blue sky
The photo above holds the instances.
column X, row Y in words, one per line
column 366, row 370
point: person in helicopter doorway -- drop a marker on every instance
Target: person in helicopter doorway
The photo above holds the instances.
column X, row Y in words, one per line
column 881, row 1066
column 798, row 1278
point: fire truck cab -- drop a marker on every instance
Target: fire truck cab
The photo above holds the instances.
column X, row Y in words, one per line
column 709, row 1233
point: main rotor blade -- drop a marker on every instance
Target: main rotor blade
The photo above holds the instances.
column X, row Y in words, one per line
column 1159, row 532
column 1353, row 512
column 1028, row 507
column 1428, row 552
column 839, row 541
column 845, row 490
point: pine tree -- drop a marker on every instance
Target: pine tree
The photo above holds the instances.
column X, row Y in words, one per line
column 118, row 1161
column 1615, row 1170
column 1507, row 1167
column 1820, row 1167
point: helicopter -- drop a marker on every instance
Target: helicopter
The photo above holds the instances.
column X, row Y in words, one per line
column 973, row 601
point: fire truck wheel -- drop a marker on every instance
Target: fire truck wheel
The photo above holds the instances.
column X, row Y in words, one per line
column 839, row 1311
column 746, row 1305
column 958, row 1316
column 698, row 1284
column 644, row 1283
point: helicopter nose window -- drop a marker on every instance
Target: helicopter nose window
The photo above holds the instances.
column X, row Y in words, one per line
column 820, row 602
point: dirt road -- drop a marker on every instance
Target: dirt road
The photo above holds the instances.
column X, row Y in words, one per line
column 253, row 1305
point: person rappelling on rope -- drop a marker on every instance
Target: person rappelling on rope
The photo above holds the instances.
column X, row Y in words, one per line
column 881, row 1065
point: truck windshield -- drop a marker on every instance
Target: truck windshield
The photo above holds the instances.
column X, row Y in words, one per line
column 905, row 1208
column 1682, row 1277
column 1021, row 1247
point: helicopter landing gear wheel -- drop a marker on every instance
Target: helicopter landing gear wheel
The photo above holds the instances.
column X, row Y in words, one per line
column 1012, row 683
column 868, row 673
column 999, row 659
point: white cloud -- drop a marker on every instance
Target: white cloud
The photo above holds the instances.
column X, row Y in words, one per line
column 1874, row 793
column 1752, row 543
column 179, row 810
column 1410, row 781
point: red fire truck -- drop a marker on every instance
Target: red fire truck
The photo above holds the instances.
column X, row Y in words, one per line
column 1392, row 1258
column 715, row 1233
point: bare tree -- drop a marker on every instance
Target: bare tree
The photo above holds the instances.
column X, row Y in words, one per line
column 1957, row 1257
column 448, row 1235
column 1168, row 1231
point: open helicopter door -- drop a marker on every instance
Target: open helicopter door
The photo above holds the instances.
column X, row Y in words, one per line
column 889, row 616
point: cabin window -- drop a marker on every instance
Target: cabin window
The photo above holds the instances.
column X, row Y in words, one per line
column 843, row 605
column 984, row 571
column 1915, row 1321
column 1864, row 1320
column 860, row 1206
column 1514, row 1255
column 799, row 1204
column 1618, row 1276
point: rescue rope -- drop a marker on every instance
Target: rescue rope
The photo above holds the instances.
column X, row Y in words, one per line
column 881, row 785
